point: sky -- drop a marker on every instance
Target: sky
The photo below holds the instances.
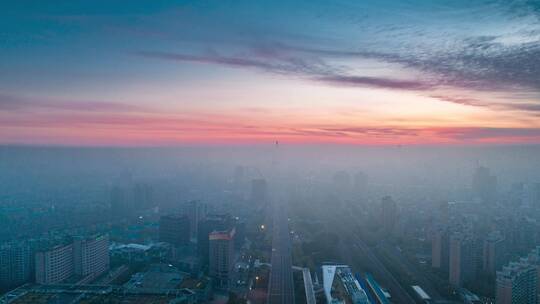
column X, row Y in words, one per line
column 162, row 73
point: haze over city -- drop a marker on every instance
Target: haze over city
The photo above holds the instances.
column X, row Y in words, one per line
column 334, row 152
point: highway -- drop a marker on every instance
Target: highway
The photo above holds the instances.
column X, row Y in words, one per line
column 281, row 287
column 355, row 246
column 398, row 292
column 421, row 277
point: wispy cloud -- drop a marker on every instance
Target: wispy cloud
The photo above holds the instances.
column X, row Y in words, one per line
column 378, row 82
column 17, row 103
column 483, row 54
column 310, row 68
column 531, row 107
column 268, row 62
column 436, row 134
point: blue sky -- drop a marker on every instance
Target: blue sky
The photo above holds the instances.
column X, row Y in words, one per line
column 420, row 67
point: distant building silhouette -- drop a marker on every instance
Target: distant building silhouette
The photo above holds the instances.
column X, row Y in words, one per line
column 127, row 199
column 463, row 259
column 389, row 214
column 360, row 182
column 174, row 229
column 440, row 249
column 342, row 182
column 484, row 185
column 259, row 192
column 533, row 195
column 119, row 201
column 143, row 196
column 494, row 253
column 196, row 211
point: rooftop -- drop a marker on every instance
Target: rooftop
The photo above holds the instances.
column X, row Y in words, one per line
column 84, row 294
column 222, row 235
column 157, row 277
column 340, row 285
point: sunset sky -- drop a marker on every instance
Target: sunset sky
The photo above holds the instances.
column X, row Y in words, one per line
column 152, row 73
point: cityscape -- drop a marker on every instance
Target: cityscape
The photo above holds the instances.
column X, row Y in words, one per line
column 288, row 229
column 280, row 152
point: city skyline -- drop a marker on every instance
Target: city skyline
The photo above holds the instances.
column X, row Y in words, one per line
column 247, row 72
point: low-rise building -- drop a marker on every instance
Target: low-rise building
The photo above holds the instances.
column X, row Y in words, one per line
column 340, row 286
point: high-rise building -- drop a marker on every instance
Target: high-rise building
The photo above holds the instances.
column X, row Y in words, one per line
column 517, row 283
column 524, row 233
column 484, row 184
column 463, row 259
column 259, row 191
column 389, row 214
column 174, row 229
column 196, row 211
column 83, row 257
column 534, row 260
column 16, row 264
column 55, row 264
column 221, row 256
column 91, row 255
column 493, row 253
column 440, row 249
column 211, row 223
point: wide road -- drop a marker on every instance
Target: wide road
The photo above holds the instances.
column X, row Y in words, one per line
column 354, row 245
column 417, row 274
column 281, row 288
